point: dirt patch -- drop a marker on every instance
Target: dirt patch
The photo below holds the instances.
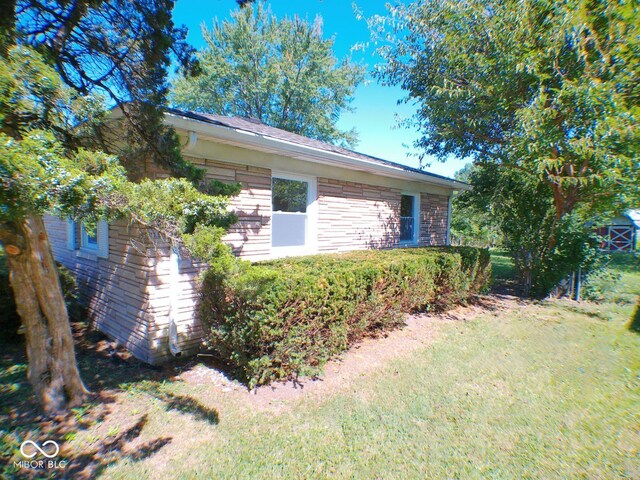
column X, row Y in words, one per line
column 363, row 358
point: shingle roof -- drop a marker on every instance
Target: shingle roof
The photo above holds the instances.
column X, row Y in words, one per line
column 258, row 128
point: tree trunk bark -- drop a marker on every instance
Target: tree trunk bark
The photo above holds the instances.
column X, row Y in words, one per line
column 53, row 371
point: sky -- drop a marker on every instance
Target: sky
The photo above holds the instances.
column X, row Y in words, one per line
column 376, row 106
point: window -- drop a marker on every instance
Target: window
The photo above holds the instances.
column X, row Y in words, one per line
column 89, row 241
column 409, row 218
column 289, row 212
column 90, row 245
column 293, row 214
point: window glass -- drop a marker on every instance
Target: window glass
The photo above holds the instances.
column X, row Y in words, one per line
column 407, row 221
column 289, row 195
column 89, row 241
column 406, row 206
column 288, row 230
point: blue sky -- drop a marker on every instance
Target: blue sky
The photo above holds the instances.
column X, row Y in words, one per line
column 376, row 107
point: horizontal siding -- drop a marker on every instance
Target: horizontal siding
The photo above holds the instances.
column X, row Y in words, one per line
column 355, row 216
column 114, row 289
column 129, row 294
column 433, row 219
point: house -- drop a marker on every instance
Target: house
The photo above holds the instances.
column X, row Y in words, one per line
column 299, row 196
column 621, row 233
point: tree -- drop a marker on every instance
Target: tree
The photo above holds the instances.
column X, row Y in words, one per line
column 472, row 223
column 548, row 89
column 521, row 209
column 281, row 72
column 59, row 61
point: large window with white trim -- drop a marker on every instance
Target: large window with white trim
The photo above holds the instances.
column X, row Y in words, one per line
column 409, row 219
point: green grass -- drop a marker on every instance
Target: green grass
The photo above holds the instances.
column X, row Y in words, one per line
column 502, row 266
column 540, row 390
column 618, row 283
column 547, row 391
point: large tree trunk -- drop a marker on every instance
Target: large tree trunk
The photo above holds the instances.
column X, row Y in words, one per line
column 53, row 371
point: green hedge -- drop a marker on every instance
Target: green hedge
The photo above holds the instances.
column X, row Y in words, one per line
column 284, row 318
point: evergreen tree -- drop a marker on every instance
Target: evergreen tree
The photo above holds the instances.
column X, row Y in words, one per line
column 59, row 62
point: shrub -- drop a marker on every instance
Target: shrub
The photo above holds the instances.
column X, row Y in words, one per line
column 285, row 318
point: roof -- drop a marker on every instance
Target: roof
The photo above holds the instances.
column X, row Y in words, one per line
column 634, row 216
column 257, row 128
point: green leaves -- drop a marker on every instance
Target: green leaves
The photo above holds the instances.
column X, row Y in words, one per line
column 38, row 177
column 284, row 318
column 548, row 88
column 544, row 97
column 40, row 174
column 281, row 72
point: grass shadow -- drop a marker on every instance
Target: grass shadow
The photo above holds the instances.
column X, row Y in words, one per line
column 107, row 371
column 111, row 450
column 634, row 323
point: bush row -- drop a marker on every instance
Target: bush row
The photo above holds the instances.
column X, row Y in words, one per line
column 285, row 318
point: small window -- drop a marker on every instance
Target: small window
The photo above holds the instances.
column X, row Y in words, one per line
column 408, row 218
column 89, row 241
column 290, row 199
column 96, row 243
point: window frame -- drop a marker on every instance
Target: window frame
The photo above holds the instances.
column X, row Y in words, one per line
column 416, row 219
column 311, row 235
column 85, row 244
column 84, row 248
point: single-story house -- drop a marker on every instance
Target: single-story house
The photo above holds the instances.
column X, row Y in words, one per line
column 621, row 233
column 299, row 196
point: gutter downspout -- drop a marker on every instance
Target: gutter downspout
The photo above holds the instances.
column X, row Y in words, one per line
column 448, row 241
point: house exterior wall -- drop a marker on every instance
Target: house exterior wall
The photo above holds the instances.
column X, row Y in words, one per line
column 114, row 289
column 136, row 292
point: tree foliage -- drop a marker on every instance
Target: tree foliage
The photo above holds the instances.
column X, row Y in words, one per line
column 472, row 224
column 546, row 91
column 117, row 51
column 59, row 63
column 545, row 87
column 281, row 72
column 521, row 209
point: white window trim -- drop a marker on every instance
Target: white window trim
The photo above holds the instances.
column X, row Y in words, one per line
column 311, row 235
column 416, row 219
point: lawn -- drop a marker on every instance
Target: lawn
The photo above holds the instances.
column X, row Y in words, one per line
column 515, row 389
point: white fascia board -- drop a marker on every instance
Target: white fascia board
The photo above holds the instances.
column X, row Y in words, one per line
column 259, row 142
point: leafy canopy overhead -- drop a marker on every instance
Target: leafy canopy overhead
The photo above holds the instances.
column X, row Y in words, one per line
column 118, row 52
column 281, row 72
column 40, row 174
column 548, row 88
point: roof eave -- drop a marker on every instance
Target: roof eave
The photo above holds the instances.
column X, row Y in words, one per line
column 261, row 142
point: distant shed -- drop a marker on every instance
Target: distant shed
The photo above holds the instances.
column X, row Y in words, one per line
column 621, row 234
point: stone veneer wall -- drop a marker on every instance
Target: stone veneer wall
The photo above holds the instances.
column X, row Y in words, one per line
column 434, row 213
column 129, row 295
column 115, row 288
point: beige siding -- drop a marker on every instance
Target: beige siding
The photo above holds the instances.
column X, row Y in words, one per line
column 114, row 289
column 356, row 216
column 129, row 294
column 434, row 211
